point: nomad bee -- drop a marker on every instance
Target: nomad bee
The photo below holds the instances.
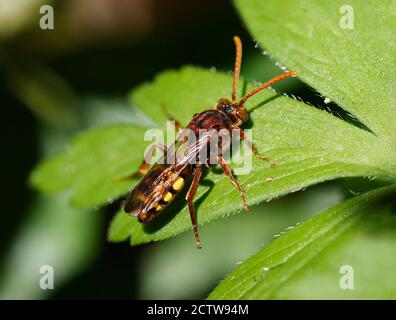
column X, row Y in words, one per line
column 161, row 184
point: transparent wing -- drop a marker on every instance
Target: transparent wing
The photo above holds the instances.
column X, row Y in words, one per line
column 186, row 153
column 164, row 173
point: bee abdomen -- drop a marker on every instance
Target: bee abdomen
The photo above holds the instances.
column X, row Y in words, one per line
column 167, row 198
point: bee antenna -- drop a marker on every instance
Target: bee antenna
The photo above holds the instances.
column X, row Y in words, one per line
column 266, row 85
column 237, row 69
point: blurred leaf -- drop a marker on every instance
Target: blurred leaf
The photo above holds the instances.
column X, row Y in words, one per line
column 90, row 164
column 14, row 15
column 340, row 63
column 305, row 262
column 55, row 234
column 44, row 93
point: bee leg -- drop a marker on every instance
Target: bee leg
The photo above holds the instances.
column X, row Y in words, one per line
column 190, row 198
column 178, row 125
column 144, row 167
column 249, row 144
column 227, row 170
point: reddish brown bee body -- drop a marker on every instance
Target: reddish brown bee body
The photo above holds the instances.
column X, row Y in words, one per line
column 161, row 184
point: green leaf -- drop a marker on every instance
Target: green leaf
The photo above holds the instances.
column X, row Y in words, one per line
column 294, row 136
column 90, row 164
column 305, row 263
column 353, row 67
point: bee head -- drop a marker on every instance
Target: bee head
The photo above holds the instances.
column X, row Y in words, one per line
column 237, row 114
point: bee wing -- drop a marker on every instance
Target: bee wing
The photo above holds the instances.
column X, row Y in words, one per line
column 163, row 174
column 139, row 195
column 185, row 153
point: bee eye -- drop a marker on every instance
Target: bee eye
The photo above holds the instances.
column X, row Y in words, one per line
column 242, row 114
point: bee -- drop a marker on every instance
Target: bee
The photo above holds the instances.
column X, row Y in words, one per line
column 162, row 182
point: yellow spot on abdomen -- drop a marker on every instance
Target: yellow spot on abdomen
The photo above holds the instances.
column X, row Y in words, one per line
column 159, row 208
column 168, row 197
column 178, row 185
